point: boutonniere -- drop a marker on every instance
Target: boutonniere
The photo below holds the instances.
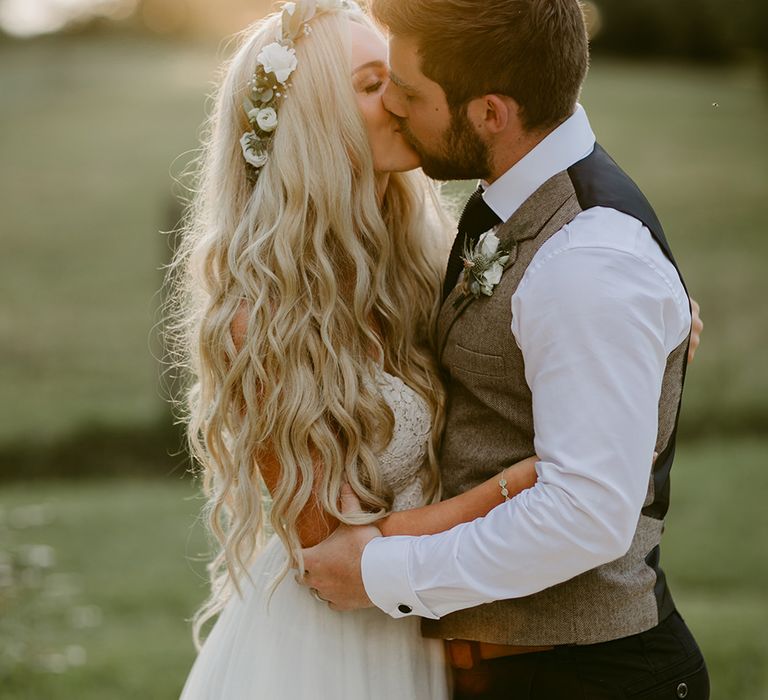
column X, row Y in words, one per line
column 483, row 266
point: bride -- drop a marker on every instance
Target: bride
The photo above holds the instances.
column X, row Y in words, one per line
column 307, row 286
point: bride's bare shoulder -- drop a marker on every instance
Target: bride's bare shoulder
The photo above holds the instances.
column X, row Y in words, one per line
column 239, row 326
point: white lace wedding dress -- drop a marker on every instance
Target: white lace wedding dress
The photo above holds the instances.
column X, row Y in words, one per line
column 293, row 647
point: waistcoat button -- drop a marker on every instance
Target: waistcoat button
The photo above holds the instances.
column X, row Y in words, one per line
column 406, row 609
column 682, row 690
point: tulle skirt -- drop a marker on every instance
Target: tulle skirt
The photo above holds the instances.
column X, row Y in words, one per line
column 290, row 647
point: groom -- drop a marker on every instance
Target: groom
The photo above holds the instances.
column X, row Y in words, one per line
column 577, row 353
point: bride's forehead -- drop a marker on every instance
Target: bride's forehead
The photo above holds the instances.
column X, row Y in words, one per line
column 367, row 45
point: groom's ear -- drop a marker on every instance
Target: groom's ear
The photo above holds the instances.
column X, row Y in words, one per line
column 493, row 114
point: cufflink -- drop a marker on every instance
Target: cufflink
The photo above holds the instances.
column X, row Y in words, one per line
column 405, row 609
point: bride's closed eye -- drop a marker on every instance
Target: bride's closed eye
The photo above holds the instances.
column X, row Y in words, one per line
column 375, row 87
column 369, row 83
column 370, row 77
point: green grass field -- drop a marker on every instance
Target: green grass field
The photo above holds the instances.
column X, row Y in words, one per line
column 126, row 560
column 90, row 134
column 92, row 129
column 125, row 577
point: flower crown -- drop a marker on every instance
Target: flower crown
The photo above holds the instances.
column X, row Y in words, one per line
column 274, row 66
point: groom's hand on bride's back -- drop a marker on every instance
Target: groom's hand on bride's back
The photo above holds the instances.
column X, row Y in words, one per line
column 697, row 328
column 332, row 568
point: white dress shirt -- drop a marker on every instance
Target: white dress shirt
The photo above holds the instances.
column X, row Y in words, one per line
column 596, row 314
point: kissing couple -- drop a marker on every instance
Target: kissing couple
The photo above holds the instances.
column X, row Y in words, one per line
column 461, row 436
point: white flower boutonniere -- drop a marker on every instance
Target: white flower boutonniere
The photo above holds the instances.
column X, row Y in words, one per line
column 483, row 265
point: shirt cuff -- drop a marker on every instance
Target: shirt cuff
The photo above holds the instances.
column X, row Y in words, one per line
column 385, row 569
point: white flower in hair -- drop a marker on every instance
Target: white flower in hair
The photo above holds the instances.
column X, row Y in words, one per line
column 275, row 64
column 329, row 5
column 278, row 59
column 258, row 159
column 267, row 119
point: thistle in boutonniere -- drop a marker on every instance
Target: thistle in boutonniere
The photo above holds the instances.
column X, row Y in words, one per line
column 483, row 265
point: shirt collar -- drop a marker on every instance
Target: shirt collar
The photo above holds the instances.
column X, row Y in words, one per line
column 569, row 143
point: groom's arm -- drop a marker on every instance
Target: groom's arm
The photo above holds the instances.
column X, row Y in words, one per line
column 595, row 325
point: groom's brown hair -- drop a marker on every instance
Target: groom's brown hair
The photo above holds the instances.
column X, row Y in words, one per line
column 534, row 51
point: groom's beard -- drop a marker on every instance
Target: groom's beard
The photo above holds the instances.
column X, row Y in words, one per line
column 461, row 156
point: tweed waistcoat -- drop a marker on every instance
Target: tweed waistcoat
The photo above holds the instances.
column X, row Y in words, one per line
column 489, row 425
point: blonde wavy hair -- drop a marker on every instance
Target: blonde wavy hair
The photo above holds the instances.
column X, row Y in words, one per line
column 332, row 275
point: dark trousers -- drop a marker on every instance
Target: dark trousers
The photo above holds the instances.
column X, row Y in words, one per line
column 663, row 663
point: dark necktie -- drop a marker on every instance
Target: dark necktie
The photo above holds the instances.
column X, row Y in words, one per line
column 476, row 219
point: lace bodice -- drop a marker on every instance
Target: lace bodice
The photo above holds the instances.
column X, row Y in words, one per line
column 404, row 457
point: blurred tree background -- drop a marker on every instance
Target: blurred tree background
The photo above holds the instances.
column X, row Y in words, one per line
column 698, row 30
column 101, row 549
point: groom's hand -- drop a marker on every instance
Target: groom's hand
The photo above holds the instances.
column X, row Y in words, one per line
column 697, row 328
column 332, row 567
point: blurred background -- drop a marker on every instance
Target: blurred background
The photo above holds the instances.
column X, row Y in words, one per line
column 101, row 549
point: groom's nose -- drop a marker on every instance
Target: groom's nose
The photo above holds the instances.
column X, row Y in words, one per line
column 393, row 100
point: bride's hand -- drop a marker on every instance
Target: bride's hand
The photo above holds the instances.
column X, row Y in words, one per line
column 348, row 500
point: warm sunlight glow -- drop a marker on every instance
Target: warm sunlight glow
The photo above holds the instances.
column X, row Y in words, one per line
column 593, row 17
column 30, row 17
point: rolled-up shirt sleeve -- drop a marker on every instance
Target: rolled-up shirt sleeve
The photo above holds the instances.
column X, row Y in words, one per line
column 595, row 323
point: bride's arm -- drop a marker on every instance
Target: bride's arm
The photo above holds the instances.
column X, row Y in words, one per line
column 314, row 523
column 463, row 508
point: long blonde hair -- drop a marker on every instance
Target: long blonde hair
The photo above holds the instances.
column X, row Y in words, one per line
column 331, row 278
